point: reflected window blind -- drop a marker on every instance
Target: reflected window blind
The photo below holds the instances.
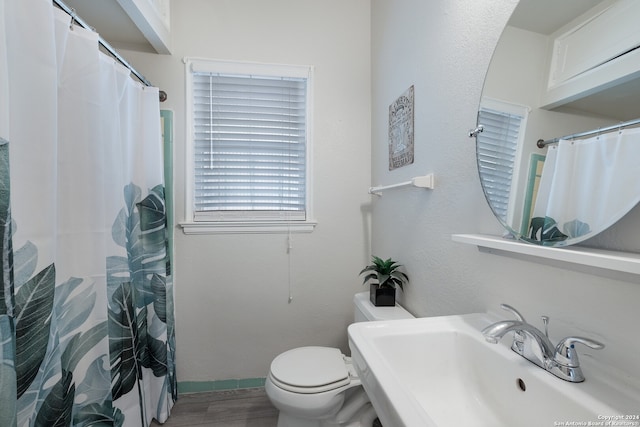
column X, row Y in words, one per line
column 496, row 150
column 249, row 147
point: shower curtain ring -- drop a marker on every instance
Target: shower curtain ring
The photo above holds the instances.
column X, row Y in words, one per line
column 73, row 18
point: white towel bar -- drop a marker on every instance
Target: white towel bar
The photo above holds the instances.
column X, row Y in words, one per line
column 426, row 181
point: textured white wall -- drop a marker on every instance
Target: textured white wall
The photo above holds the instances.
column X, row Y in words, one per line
column 231, row 290
column 443, row 47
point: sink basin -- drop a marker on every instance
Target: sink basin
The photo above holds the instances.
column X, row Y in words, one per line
column 441, row 372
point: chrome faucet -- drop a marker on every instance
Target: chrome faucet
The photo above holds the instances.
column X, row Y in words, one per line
column 535, row 346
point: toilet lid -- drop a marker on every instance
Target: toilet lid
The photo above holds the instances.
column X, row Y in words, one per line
column 314, row 368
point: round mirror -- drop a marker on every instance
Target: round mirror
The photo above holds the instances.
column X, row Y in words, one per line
column 556, row 152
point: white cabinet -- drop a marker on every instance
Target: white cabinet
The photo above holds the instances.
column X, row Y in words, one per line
column 595, row 52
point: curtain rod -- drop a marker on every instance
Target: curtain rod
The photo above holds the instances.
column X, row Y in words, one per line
column 75, row 18
column 542, row 143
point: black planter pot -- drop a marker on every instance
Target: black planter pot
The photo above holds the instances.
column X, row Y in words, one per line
column 382, row 297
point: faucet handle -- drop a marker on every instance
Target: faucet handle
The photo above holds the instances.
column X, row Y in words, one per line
column 512, row 311
column 566, row 355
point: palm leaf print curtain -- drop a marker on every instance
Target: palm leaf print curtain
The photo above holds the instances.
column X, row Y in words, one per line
column 86, row 294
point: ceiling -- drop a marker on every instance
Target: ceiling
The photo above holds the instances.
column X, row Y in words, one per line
column 113, row 24
column 542, row 16
column 110, row 20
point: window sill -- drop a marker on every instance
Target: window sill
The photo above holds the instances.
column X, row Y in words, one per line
column 261, row 227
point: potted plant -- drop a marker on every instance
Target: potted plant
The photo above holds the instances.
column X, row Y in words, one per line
column 383, row 276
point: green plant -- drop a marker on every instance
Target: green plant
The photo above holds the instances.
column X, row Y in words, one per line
column 385, row 272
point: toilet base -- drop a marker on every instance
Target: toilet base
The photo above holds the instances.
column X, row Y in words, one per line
column 355, row 412
column 286, row 420
column 365, row 418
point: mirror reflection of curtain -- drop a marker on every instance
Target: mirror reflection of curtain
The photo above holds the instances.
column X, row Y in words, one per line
column 587, row 185
column 86, row 311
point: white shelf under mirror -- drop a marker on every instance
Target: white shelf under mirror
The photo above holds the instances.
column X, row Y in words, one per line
column 590, row 258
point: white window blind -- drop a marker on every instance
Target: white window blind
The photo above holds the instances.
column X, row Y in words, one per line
column 497, row 148
column 249, row 147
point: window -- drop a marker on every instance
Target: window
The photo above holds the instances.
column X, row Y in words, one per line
column 499, row 154
column 248, row 147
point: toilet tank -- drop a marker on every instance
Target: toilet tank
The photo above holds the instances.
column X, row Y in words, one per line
column 364, row 311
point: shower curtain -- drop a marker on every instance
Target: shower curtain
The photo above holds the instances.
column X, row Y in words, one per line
column 86, row 299
column 587, row 185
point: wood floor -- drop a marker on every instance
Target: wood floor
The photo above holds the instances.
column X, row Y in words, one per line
column 230, row 408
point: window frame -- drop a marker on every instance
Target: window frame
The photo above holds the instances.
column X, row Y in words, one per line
column 231, row 224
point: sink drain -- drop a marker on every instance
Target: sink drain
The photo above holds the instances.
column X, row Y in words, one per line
column 521, row 385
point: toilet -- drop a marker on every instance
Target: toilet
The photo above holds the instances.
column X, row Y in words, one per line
column 318, row 386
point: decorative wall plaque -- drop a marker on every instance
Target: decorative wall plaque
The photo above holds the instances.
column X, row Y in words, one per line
column 401, row 131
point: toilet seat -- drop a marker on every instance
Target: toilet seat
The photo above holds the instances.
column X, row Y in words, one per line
column 310, row 370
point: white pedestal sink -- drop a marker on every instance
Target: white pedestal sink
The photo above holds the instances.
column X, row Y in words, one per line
column 441, row 372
